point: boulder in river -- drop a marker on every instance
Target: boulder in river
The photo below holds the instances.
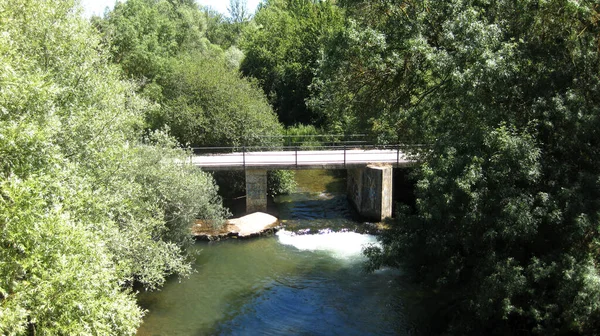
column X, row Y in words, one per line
column 251, row 225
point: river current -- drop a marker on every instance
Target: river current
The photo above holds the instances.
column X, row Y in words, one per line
column 308, row 279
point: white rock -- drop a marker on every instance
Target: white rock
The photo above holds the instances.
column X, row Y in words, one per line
column 254, row 223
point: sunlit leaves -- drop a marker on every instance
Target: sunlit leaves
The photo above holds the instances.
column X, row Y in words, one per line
column 283, row 53
column 208, row 104
column 45, row 285
column 86, row 205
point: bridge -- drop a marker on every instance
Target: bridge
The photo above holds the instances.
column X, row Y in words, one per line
column 298, row 158
column 369, row 167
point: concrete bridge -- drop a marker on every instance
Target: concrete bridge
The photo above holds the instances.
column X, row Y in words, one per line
column 369, row 171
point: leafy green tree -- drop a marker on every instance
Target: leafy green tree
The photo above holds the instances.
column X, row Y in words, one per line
column 281, row 182
column 56, row 276
column 283, row 52
column 373, row 74
column 145, row 34
column 210, row 104
column 506, row 222
column 238, row 11
column 198, row 92
column 224, row 31
column 87, row 206
column 150, row 202
column 200, row 95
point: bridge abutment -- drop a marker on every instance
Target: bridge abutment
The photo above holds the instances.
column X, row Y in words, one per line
column 370, row 191
column 256, row 190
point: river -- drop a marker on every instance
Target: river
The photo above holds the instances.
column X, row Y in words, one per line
column 306, row 280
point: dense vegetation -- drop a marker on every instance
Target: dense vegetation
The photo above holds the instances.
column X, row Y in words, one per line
column 283, row 52
column 505, row 94
column 89, row 204
column 199, row 94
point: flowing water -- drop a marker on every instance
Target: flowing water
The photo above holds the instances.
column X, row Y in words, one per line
column 306, row 280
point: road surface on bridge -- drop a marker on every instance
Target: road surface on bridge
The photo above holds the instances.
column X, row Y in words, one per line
column 301, row 159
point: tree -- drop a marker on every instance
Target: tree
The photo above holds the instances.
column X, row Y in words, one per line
column 220, row 30
column 87, row 206
column 208, row 104
column 57, row 277
column 372, row 74
column 145, row 34
column 198, row 92
column 505, row 227
column 238, row 11
column 283, row 53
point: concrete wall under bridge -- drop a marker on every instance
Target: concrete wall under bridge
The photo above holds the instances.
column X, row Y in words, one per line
column 369, row 191
column 256, row 190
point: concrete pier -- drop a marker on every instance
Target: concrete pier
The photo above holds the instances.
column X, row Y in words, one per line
column 256, row 190
column 370, row 191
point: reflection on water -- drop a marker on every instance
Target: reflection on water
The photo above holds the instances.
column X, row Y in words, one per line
column 288, row 284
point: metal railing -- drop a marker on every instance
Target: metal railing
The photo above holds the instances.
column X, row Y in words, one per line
column 300, row 146
column 289, row 143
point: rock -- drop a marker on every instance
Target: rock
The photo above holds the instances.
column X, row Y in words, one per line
column 252, row 225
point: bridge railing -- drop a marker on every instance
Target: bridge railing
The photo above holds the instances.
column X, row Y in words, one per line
column 301, row 148
column 279, row 143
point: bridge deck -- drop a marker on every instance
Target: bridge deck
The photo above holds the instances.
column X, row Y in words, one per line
column 328, row 159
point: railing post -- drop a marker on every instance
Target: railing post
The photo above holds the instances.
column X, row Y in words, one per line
column 296, row 155
column 244, row 156
column 344, row 155
column 398, row 156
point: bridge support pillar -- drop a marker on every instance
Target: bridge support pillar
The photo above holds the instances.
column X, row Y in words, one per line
column 370, row 191
column 256, row 190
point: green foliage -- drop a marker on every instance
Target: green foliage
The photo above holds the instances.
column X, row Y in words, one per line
column 86, row 207
column 57, row 276
column 278, row 182
column 506, row 224
column 223, row 31
column 305, row 136
column 201, row 97
column 151, row 202
column 238, row 11
column 144, row 34
column 302, row 130
column 283, row 52
column 281, row 182
column 208, row 104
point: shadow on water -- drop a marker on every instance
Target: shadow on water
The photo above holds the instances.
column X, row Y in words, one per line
column 314, row 212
